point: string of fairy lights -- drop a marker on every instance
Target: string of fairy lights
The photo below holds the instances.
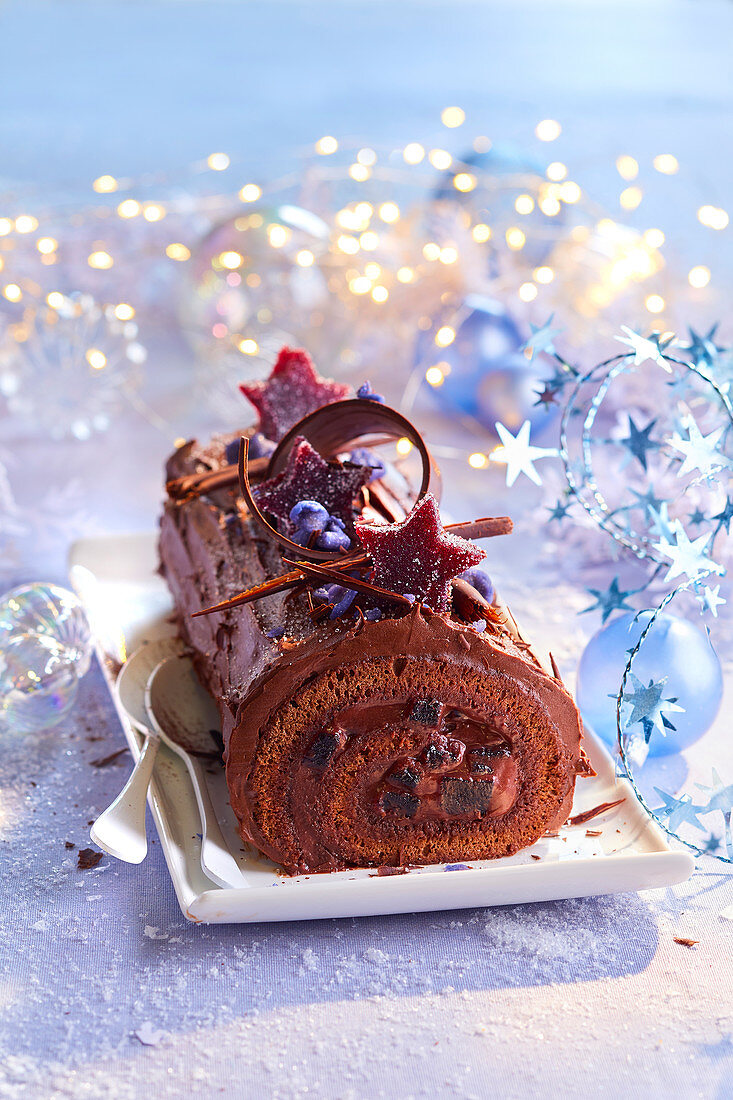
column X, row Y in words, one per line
column 160, row 218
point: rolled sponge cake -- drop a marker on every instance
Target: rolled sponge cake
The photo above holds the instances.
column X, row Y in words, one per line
column 413, row 739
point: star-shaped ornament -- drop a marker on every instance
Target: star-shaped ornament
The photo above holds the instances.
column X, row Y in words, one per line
column 686, row 556
column 697, row 517
column 541, row 339
column 638, row 441
column 703, row 349
column 647, row 347
column 293, row 390
column 608, row 601
column 308, row 476
column 418, row 557
column 710, row 600
column 517, row 455
column 648, row 706
column 662, row 525
column 725, row 516
column 679, row 811
column 702, row 452
column 546, row 396
column 560, row 510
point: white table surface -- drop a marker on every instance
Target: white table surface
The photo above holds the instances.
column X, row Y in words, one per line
column 580, row 998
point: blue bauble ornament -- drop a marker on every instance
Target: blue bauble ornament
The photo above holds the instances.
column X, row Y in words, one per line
column 489, row 377
column 674, row 649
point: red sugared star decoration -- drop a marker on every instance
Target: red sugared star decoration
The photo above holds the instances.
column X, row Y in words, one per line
column 293, row 390
column 308, row 476
column 418, row 556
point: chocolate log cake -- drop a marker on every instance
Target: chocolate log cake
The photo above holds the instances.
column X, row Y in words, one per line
column 378, row 705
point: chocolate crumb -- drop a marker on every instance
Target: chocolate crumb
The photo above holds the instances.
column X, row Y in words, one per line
column 534, row 856
column 88, row 858
column 588, row 815
column 69, row 844
column 381, row 871
column 685, row 942
column 594, row 832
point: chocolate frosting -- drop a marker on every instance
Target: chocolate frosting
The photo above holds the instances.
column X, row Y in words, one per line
column 260, row 658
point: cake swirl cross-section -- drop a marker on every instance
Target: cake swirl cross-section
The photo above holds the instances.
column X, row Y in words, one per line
column 378, row 705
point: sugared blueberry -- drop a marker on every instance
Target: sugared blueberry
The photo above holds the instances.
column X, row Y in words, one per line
column 366, row 393
column 309, row 515
column 481, row 581
column 362, row 456
column 332, row 541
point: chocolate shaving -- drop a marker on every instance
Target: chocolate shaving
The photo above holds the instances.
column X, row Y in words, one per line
column 486, row 528
column 194, row 485
column 279, row 584
column 584, row 767
column 594, row 832
column 104, row 761
column 88, row 858
column 356, row 584
column 555, row 669
column 588, row 815
column 340, row 426
column 471, row 605
column 685, row 941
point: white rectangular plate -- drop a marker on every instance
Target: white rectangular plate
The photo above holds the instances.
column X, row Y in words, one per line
column 128, row 604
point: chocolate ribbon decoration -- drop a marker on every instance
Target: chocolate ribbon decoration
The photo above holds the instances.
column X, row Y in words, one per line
column 342, row 425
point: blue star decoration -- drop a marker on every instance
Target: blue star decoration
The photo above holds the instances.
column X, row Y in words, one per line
column 648, row 706
column 560, row 510
column 703, row 349
column 608, row 600
column 516, row 453
column 679, row 811
column 686, row 557
column 721, row 799
column 541, row 338
column 697, row 517
column 646, row 347
column 638, row 441
column 662, row 525
column 702, row 452
column 725, row 516
column 709, row 599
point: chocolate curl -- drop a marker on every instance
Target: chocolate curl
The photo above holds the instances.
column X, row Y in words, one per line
column 486, row 528
column 342, row 425
column 280, row 584
column 194, row 485
column 259, row 517
column 335, row 576
column 471, row 605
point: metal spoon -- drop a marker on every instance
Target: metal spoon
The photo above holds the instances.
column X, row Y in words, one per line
column 120, row 829
column 183, row 715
